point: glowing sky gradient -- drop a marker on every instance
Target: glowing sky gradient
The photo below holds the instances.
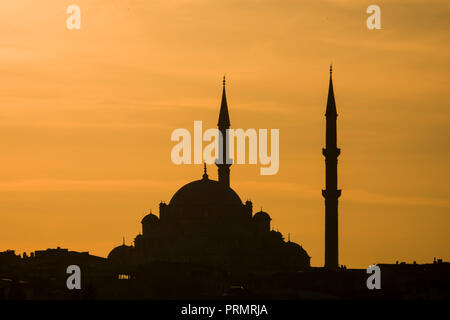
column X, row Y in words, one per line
column 86, row 117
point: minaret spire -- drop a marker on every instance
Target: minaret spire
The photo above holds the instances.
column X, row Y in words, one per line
column 223, row 124
column 331, row 192
column 205, row 174
column 331, row 104
column 224, row 118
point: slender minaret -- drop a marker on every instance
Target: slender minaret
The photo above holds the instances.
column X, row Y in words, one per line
column 331, row 192
column 223, row 124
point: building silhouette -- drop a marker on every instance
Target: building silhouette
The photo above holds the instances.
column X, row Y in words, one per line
column 207, row 223
column 331, row 192
column 207, row 244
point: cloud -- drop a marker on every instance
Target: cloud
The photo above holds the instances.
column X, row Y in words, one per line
column 377, row 198
column 352, row 195
column 102, row 185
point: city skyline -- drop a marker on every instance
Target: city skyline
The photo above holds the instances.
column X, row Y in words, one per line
column 82, row 119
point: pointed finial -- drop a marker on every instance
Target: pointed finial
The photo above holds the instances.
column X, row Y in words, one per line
column 223, row 81
column 331, row 68
column 205, row 174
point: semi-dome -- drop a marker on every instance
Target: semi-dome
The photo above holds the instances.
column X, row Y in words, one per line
column 150, row 218
column 296, row 247
column 205, row 192
column 121, row 253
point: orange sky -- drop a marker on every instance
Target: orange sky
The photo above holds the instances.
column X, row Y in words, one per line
column 86, row 117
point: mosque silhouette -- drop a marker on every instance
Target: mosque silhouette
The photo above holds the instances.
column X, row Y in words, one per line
column 207, row 223
column 207, row 244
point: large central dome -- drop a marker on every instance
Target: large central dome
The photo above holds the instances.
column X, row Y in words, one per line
column 205, row 192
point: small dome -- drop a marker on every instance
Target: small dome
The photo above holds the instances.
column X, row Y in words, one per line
column 262, row 215
column 296, row 248
column 205, row 192
column 150, row 218
column 121, row 253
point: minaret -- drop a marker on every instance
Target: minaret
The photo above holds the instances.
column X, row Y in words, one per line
column 331, row 192
column 205, row 173
column 223, row 124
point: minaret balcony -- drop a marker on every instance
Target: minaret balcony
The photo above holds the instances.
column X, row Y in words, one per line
column 334, row 152
column 331, row 194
